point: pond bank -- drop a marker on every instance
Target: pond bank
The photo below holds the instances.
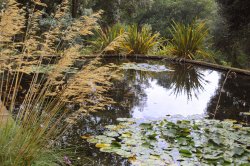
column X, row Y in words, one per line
column 153, row 57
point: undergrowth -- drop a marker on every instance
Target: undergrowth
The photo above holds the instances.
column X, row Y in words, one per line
column 30, row 125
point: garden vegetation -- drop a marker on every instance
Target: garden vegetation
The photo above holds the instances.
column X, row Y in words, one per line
column 43, row 41
column 32, row 119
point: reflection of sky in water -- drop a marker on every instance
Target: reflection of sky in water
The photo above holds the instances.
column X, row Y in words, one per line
column 160, row 102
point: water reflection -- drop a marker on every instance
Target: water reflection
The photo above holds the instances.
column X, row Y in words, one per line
column 235, row 99
column 171, row 93
column 189, row 90
column 187, row 80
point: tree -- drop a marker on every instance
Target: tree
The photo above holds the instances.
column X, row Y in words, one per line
column 160, row 13
column 234, row 31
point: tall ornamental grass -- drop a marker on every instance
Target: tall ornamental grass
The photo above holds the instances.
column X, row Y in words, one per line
column 30, row 125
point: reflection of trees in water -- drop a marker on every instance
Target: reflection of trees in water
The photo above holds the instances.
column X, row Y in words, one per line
column 130, row 91
column 235, row 98
column 184, row 80
column 127, row 93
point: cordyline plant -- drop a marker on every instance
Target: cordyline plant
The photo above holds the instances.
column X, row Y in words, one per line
column 140, row 40
column 126, row 40
column 29, row 126
column 188, row 41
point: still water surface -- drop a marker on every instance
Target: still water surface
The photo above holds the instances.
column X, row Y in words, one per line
column 148, row 93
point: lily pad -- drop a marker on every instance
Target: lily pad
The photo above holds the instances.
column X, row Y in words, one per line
column 145, row 67
column 163, row 142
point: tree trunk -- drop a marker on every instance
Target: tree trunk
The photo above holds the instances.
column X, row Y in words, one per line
column 74, row 9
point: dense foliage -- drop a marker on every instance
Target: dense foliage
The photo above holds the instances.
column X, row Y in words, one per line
column 60, row 31
column 228, row 20
column 232, row 34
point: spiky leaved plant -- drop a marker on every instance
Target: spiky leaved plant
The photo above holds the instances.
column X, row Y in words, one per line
column 188, row 41
column 140, row 41
column 32, row 123
column 108, row 40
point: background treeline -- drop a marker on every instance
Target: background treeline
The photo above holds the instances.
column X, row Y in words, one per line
column 228, row 20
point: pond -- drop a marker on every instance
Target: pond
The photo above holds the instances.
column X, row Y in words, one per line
column 154, row 90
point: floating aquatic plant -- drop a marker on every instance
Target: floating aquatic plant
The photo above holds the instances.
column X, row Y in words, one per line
column 145, row 67
column 163, row 142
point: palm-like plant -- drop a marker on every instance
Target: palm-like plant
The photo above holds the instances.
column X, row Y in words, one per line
column 140, row 41
column 108, row 39
column 188, row 40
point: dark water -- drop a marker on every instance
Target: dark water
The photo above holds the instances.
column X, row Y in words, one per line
column 185, row 90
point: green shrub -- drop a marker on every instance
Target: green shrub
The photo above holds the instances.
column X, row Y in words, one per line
column 140, row 41
column 34, row 117
column 188, row 41
column 108, row 39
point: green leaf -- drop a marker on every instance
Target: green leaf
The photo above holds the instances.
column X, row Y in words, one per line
column 101, row 145
column 238, row 151
column 146, row 125
column 152, row 136
column 92, row 140
column 126, row 135
column 115, row 144
column 185, row 153
column 111, row 134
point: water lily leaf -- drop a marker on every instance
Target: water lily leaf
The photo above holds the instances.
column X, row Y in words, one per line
column 115, row 144
column 104, row 139
column 237, row 126
column 126, row 120
column 230, row 120
column 92, row 140
column 196, row 127
column 107, row 149
column 185, row 122
column 122, row 119
column 171, row 133
column 110, row 127
column 185, row 153
column 206, row 142
column 126, row 135
column 238, row 151
column 228, row 159
column 155, row 157
column 182, row 141
column 145, row 67
column 212, row 157
column 152, row 136
column 86, row 136
column 146, row 125
column 124, row 153
column 114, row 127
column 146, row 145
column 216, row 140
column 111, row 134
column 101, row 145
column 185, row 130
column 132, row 141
